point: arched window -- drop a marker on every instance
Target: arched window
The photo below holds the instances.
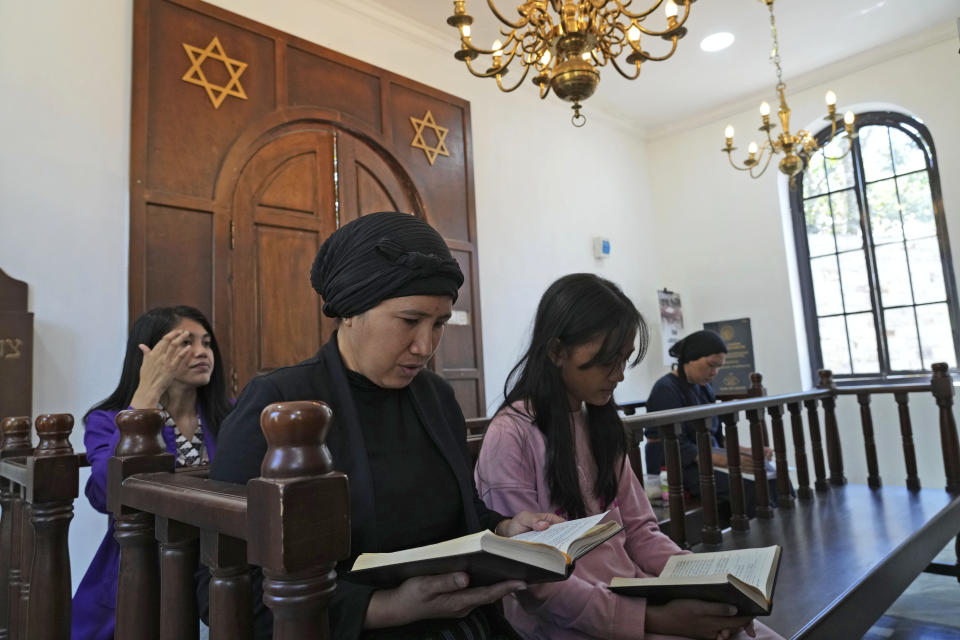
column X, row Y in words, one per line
column 876, row 275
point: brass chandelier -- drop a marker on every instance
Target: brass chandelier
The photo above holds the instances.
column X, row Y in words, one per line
column 565, row 42
column 797, row 148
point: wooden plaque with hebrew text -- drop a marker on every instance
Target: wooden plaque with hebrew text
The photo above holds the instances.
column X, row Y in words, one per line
column 16, row 348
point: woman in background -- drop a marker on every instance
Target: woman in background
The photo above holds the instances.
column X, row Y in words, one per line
column 172, row 363
column 557, row 444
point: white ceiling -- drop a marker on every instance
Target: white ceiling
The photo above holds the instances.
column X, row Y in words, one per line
column 812, row 33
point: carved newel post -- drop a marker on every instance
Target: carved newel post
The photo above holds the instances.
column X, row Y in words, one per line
column 942, row 387
column 298, row 519
column 15, row 443
column 140, row 450
column 53, row 468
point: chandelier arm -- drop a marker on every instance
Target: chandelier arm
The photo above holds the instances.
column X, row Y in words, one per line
column 673, row 48
column 765, row 164
column 502, row 19
column 621, row 71
column 733, row 164
column 622, row 9
column 841, row 156
column 526, row 70
column 484, row 74
column 511, row 37
column 669, row 29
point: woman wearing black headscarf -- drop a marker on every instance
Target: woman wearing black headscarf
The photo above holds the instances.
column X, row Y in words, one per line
column 699, row 356
column 398, row 432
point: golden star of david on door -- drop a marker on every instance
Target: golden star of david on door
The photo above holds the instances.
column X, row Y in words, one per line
column 195, row 75
column 427, row 122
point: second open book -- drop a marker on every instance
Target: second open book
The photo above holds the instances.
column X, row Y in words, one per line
column 535, row 556
column 744, row 578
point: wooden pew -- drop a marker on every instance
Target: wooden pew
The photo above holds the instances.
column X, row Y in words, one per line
column 37, row 490
column 848, row 550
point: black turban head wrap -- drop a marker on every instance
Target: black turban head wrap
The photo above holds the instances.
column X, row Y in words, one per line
column 380, row 256
column 697, row 345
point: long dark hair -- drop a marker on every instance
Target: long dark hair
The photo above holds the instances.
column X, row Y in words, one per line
column 148, row 329
column 573, row 311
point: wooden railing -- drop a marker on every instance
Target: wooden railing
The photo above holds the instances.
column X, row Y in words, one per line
column 37, row 489
column 826, row 446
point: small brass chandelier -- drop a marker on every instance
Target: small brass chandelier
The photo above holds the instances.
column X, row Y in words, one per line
column 797, row 148
column 565, row 42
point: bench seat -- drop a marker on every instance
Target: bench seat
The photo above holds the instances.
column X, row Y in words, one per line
column 848, row 554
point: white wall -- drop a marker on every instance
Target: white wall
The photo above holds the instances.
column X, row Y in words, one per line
column 734, row 254
column 543, row 190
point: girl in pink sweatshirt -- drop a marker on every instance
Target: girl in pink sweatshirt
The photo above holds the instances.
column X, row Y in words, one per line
column 557, row 445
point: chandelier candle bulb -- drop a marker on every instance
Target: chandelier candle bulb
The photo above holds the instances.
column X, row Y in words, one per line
column 633, row 33
column 830, row 98
column 671, row 9
column 765, row 109
column 465, row 30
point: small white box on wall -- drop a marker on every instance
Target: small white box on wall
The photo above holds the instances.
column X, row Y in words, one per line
column 601, row 247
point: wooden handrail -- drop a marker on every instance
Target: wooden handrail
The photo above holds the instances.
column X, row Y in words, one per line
column 689, row 414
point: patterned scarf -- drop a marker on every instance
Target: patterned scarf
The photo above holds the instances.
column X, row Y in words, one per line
column 190, row 453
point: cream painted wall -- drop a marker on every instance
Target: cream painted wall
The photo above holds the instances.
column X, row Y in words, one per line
column 734, row 252
column 543, row 188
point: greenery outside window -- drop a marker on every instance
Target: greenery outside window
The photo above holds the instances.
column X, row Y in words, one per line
column 880, row 298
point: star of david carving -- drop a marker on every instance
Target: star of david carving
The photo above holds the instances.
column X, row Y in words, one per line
column 427, row 122
column 195, row 75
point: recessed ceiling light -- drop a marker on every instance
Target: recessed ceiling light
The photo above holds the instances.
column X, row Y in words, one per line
column 717, row 41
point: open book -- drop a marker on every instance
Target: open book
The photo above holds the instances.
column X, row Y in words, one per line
column 534, row 556
column 744, row 578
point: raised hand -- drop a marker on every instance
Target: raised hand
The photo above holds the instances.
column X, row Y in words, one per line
column 442, row 596
column 161, row 364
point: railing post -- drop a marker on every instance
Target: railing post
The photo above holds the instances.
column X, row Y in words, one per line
column 54, row 485
column 869, row 442
column 816, row 446
column 834, row 451
column 738, row 516
column 298, row 497
column 784, row 498
column 178, row 562
column 231, row 598
column 941, row 384
column 906, row 434
column 757, row 390
column 804, row 492
column 634, row 436
column 15, row 442
column 761, row 492
column 671, row 456
column 708, row 488
column 140, row 449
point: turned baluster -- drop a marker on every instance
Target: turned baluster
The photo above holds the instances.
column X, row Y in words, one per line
column 784, row 497
column 761, row 491
column 816, row 446
column 54, row 472
column 906, row 434
column 297, row 477
column 869, row 442
column 942, row 386
column 140, row 449
column 231, row 602
column 708, row 488
column 671, row 457
column 15, row 442
column 831, row 431
column 178, row 562
column 738, row 516
column 804, row 492
column 757, row 390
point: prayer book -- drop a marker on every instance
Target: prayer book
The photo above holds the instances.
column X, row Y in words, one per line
column 534, row 556
column 744, row 578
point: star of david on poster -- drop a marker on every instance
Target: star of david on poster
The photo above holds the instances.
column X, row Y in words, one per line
column 427, row 122
column 195, row 75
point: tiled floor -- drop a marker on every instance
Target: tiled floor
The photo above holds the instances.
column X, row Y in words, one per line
column 928, row 610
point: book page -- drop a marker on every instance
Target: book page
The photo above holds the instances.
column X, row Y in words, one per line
column 562, row 535
column 750, row 565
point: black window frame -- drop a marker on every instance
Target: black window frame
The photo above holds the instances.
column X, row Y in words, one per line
column 925, row 142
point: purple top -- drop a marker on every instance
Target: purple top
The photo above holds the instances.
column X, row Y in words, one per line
column 94, row 604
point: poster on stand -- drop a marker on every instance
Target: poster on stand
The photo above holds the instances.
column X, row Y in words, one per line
column 734, row 377
column 671, row 322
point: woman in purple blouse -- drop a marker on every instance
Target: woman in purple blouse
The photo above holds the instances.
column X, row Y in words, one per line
column 171, row 363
